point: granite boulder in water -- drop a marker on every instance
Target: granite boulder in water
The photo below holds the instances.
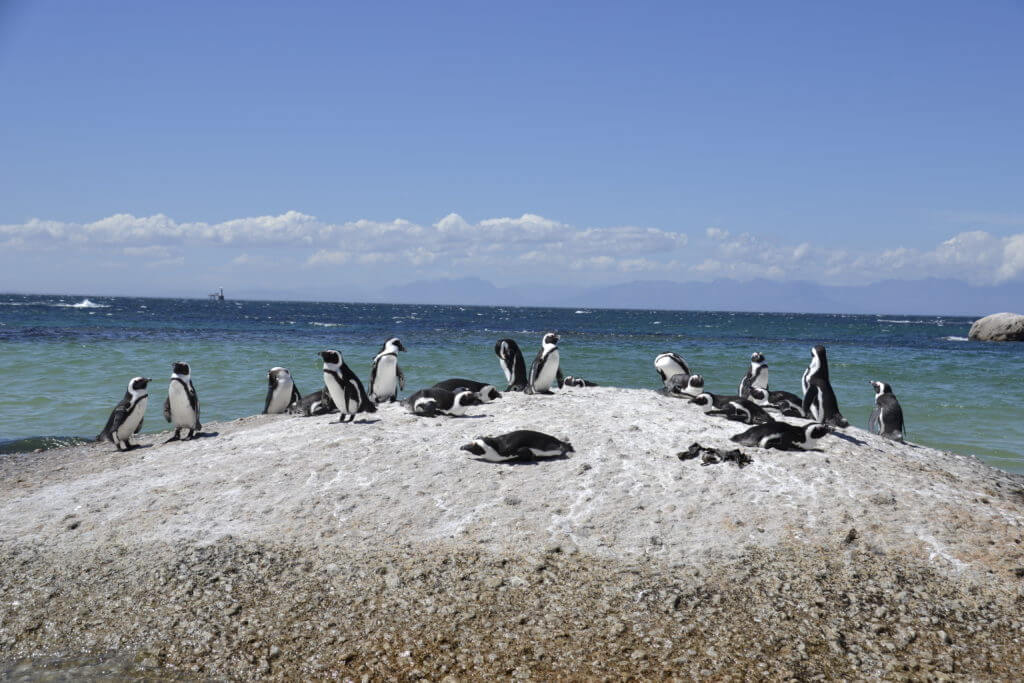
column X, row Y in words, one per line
column 998, row 327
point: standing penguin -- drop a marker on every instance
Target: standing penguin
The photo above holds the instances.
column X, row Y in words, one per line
column 126, row 418
column 887, row 415
column 820, row 401
column 181, row 408
column 385, row 375
column 545, row 368
column 512, row 364
column 345, row 389
column 757, row 375
column 281, row 391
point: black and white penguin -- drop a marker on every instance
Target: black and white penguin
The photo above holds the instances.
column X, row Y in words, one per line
column 782, row 436
column 523, row 444
column 126, row 418
column 512, row 364
column 181, row 407
column 757, row 375
column 789, row 404
column 485, row 392
column 570, row 381
column 732, row 408
column 385, row 376
column 820, row 402
column 887, row 415
column 317, row 403
column 281, row 392
column 684, row 386
column 346, row 390
column 707, row 401
column 432, row 402
column 545, row 368
column 670, row 364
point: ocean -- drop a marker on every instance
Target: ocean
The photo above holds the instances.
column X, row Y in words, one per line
column 66, row 360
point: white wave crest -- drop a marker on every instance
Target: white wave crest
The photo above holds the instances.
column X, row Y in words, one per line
column 84, row 303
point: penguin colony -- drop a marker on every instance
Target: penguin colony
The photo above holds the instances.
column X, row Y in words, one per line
column 343, row 392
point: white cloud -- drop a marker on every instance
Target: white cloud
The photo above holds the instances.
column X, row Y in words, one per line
column 328, row 258
column 513, row 249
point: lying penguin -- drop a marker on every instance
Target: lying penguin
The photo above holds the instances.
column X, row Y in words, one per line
column 433, row 402
column 485, row 392
column 782, row 436
column 732, row 408
column 523, row 444
column 571, row 381
column 790, row 405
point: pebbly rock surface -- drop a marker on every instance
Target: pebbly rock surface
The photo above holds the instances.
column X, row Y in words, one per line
column 998, row 327
column 292, row 548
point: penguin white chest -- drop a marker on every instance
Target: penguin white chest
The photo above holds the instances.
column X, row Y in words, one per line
column 131, row 423
column 182, row 414
column 548, row 371
column 347, row 402
column 281, row 398
column 386, row 379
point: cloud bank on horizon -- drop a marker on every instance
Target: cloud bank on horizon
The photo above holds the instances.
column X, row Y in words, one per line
column 504, row 250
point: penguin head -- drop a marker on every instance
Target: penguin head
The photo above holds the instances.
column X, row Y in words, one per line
column 490, row 392
column 465, row 397
column 550, row 339
column 567, row 448
column 757, row 357
column 815, row 431
column 137, row 385
column 331, row 357
column 392, row 345
column 474, row 447
column 181, row 369
column 278, row 372
column 704, row 401
column 881, row 388
column 695, row 382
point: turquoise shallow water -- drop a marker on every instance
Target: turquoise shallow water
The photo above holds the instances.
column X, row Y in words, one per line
column 65, row 361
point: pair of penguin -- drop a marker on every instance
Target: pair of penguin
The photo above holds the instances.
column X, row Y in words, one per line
column 544, row 370
column 181, row 409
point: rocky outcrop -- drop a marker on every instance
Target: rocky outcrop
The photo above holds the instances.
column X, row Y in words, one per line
column 998, row 327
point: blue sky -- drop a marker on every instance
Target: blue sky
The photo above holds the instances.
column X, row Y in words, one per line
column 841, row 143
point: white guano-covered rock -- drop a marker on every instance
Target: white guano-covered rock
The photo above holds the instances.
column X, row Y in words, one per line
column 998, row 327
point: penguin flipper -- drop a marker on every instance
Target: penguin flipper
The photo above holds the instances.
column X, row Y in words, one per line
column 167, row 408
column 296, row 396
column 401, row 378
column 139, row 428
column 560, row 377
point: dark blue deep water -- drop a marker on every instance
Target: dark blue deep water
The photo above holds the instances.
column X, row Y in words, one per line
column 65, row 360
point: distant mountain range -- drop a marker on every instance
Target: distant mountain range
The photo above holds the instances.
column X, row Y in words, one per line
column 922, row 297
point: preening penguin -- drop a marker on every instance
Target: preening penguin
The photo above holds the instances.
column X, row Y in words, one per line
column 887, row 415
column 571, row 381
column 670, row 364
column 820, row 401
column 181, row 408
column 782, row 435
column 684, row 386
column 545, row 368
column 524, row 444
column 346, row 390
column 512, row 364
column 385, row 376
column 126, row 418
column 317, row 403
column 281, row 392
column 757, row 375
